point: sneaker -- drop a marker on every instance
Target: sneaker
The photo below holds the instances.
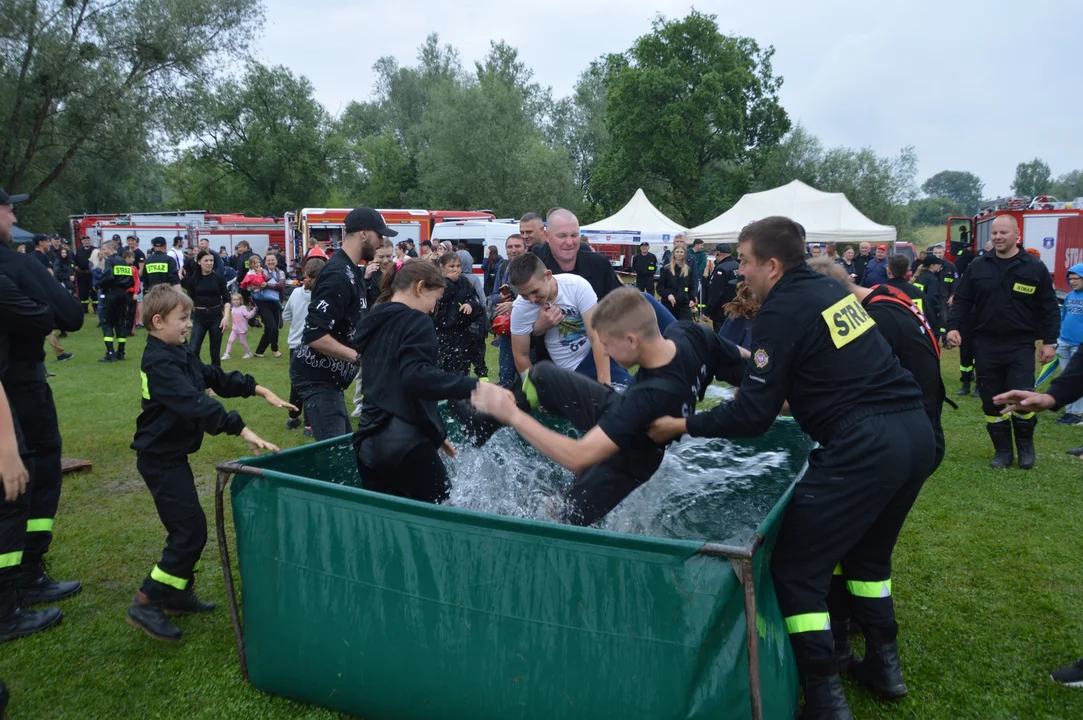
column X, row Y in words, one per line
column 226, row 356
column 1076, row 452
column 308, row 432
column 1069, row 419
column 250, row 355
column 293, row 423
column 64, row 356
column 1071, row 676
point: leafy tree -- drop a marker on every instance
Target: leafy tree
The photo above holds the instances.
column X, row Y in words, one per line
column 1068, row 186
column 99, row 77
column 963, row 188
column 261, row 145
column 934, row 211
column 1032, row 178
column 880, row 187
column 688, row 109
column 797, row 157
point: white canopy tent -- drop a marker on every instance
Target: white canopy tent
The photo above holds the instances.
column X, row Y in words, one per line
column 638, row 221
column 826, row 217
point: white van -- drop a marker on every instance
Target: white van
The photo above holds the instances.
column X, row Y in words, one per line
column 479, row 235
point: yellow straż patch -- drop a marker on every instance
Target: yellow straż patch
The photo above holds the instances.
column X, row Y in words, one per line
column 1025, row 289
column 846, row 320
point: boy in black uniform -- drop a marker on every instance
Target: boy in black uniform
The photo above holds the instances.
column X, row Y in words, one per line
column 176, row 413
column 160, row 267
column 643, row 265
column 815, row 346
column 1009, row 297
column 114, row 285
column 615, row 456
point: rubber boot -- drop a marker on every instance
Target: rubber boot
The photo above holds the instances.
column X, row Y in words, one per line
column 109, row 357
column 976, row 393
column 824, row 699
column 879, row 670
column 120, row 353
column 1024, row 440
column 185, row 602
column 16, row 622
column 965, row 390
column 150, row 618
column 844, row 651
column 36, row 587
column 838, row 605
column 479, row 426
column 1001, row 435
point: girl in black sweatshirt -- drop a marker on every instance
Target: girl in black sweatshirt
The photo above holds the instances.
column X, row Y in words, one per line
column 400, row 432
column 459, row 307
column 677, row 285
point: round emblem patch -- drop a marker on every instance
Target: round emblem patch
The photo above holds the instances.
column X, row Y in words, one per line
column 761, row 358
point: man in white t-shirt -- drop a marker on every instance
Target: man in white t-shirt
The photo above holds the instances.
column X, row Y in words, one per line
column 568, row 300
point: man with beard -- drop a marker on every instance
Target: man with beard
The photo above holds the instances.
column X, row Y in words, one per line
column 325, row 364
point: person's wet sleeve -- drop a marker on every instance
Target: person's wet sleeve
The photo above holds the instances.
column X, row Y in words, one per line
column 169, row 385
column 420, row 375
column 1068, row 386
column 325, row 309
column 763, row 389
column 231, row 384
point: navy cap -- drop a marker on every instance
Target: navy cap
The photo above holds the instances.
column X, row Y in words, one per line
column 364, row 218
column 6, row 199
column 723, row 248
column 158, row 241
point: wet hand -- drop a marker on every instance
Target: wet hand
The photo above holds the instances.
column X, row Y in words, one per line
column 665, row 429
column 1024, row 401
column 273, row 400
column 1046, row 353
column 256, row 443
column 496, row 401
column 14, row 474
column 954, row 339
column 449, row 449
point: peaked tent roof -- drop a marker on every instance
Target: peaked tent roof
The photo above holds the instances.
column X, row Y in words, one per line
column 639, row 216
column 827, row 217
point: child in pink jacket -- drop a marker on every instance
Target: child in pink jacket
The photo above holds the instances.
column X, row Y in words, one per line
column 241, row 316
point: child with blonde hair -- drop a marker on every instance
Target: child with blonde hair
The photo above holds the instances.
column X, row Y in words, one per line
column 241, row 315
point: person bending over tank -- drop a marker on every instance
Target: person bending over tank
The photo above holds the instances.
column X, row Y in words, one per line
column 400, row 430
column 615, row 456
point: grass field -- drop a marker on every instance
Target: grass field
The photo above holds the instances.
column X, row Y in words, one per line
column 988, row 578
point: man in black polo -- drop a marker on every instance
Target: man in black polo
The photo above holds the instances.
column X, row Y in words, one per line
column 325, row 364
column 1011, row 296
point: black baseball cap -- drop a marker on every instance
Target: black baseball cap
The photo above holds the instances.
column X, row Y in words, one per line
column 644, row 244
column 364, row 218
column 723, row 248
column 158, row 241
column 931, row 260
column 6, row 199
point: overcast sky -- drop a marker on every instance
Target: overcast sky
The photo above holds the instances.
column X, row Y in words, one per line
column 972, row 85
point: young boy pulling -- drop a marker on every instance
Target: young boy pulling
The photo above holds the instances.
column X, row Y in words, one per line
column 176, row 413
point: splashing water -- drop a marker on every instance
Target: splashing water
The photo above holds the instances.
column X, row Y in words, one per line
column 704, row 490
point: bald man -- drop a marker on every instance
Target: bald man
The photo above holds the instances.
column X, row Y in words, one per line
column 1011, row 296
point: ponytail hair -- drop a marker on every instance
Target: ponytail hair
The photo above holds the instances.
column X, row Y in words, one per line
column 406, row 276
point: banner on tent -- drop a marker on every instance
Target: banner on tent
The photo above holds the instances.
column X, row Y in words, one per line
column 627, row 237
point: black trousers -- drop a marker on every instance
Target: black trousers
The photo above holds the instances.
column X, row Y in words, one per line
column 645, row 283
column 1003, row 364
column 114, row 311
column 207, row 323
column 269, row 315
column 848, row 508
column 456, row 350
column 582, row 402
column 13, row 517
column 82, row 286
column 32, row 403
column 398, row 460
column 966, row 356
column 173, row 488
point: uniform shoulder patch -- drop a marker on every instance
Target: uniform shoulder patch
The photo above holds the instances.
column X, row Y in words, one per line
column 761, row 358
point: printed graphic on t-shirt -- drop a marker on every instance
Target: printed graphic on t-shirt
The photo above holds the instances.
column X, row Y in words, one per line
column 571, row 331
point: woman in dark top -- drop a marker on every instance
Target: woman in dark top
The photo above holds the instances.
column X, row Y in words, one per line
column 847, row 262
column 64, row 269
column 457, row 310
column 677, row 286
column 211, row 299
column 489, row 267
column 740, row 312
column 267, row 297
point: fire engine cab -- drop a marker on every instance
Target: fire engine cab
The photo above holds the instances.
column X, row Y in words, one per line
column 1053, row 228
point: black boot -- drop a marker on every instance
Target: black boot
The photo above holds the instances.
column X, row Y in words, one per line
column 185, row 602
column 844, row 651
column 1024, row 440
column 1001, row 435
column 36, row 587
column 16, row 622
column 120, row 353
column 879, row 670
column 965, row 390
column 109, row 357
column 824, row 699
column 150, row 618
column 4, row 697
column 976, row 393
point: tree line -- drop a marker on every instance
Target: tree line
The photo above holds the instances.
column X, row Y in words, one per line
column 122, row 106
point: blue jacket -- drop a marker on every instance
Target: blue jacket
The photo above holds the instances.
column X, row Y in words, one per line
column 875, row 273
column 1071, row 324
column 738, row 331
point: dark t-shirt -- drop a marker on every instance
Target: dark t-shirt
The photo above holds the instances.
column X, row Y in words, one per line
column 138, row 256
column 338, row 303
column 43, row 259
column 671, row 390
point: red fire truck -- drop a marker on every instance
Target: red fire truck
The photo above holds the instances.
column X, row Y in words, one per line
column 1053, row 228
column 193, row 225
column 327, row 225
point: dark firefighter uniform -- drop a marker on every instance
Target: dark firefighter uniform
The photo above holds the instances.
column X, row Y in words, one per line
column 83, row 279
column 160, row 268
column 116, row 281
column 949, row 282
column 32, row 404
column 814, row 345
column 176, row 411
column 1009, row 303
column 644, row 266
